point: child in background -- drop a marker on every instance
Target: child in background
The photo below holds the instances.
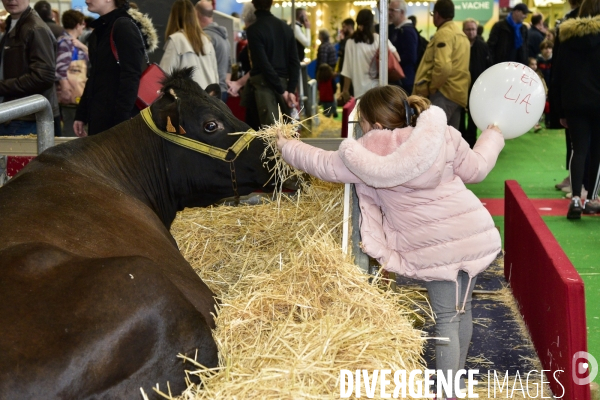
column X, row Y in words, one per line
column 417, row 217
column 325, row 77
column 533, row 65
column 544, row 63
column 544, row 60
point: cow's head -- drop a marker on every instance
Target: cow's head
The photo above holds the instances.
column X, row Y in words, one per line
column 198, row 179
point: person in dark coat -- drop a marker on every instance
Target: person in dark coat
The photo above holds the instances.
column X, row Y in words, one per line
column 347, row 32
column 28, row 63
column 44, row 10
column 536, row 35
column 275, row 65
column 247, row 99
column 544, row 60
column 326, row 53
column 508, row 38
column 578, row 101
column 553, row 92
column 479, row 62
column 405, row 38
column 111, row 90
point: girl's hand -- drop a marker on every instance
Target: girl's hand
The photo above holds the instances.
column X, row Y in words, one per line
column 563, row 122
column 494, row 127
column 281, row 141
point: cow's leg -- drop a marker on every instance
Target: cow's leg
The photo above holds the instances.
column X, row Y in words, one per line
column 97, row 328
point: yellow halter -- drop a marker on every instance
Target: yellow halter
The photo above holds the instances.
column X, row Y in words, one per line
column 214, row 152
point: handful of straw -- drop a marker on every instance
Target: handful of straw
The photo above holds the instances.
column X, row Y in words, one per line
column 280, row 170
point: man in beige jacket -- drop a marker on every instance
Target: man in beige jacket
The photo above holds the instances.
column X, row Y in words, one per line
column 443, row 75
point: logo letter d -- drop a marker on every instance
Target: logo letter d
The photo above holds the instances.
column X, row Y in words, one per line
column 346, row 376
column 579, row 368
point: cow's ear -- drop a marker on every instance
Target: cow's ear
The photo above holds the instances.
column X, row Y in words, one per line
column 214, row 90
column 165, row 114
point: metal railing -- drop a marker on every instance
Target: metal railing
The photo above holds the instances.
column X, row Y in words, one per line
column 3, row 176
column 38, row 105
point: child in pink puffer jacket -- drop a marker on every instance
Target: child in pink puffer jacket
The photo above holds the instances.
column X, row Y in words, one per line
column 417, row 217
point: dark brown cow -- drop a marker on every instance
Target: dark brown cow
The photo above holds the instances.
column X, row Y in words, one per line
column 95, row 299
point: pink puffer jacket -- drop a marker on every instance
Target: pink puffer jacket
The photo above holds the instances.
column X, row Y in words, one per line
column 417, row 217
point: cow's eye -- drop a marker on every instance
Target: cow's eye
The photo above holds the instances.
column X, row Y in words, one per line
column 211, row 127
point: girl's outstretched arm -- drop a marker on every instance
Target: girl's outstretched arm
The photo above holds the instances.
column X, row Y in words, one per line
column 325, row 165
column 473, row 165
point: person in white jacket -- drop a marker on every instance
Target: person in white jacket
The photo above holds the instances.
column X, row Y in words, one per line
column 302, row 32
column 188, row 46
column 358, row 57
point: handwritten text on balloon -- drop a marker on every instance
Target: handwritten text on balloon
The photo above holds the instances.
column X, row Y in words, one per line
column 528, row 80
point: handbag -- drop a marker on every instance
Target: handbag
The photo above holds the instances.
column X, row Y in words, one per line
column 395, row 71
column 343, row 99
column 151, row 79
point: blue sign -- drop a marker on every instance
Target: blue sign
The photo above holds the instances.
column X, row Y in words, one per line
column 228, row 6
column 79, row 5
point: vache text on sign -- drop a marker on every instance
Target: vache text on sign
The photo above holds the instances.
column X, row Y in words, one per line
column 480, row 10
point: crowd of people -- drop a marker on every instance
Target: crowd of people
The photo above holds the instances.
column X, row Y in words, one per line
column 90, row 69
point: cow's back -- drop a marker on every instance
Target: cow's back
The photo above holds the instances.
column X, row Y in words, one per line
column 82, row 214
column 95, row 298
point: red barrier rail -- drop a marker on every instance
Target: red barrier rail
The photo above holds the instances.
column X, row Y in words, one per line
column 346, row 110
column 549, row 292
column 16, row 163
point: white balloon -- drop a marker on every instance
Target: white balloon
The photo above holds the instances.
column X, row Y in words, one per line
column 510, row 95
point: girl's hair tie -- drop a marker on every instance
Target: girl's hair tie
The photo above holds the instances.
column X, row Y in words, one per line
column 409, row 112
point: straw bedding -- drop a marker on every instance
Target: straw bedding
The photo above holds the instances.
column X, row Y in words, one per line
column 294, row 309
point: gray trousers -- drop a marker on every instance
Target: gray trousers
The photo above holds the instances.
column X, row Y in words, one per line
column 449, row 323
column 452, row 109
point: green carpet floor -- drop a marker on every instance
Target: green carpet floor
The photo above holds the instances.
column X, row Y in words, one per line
column 537, row 162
